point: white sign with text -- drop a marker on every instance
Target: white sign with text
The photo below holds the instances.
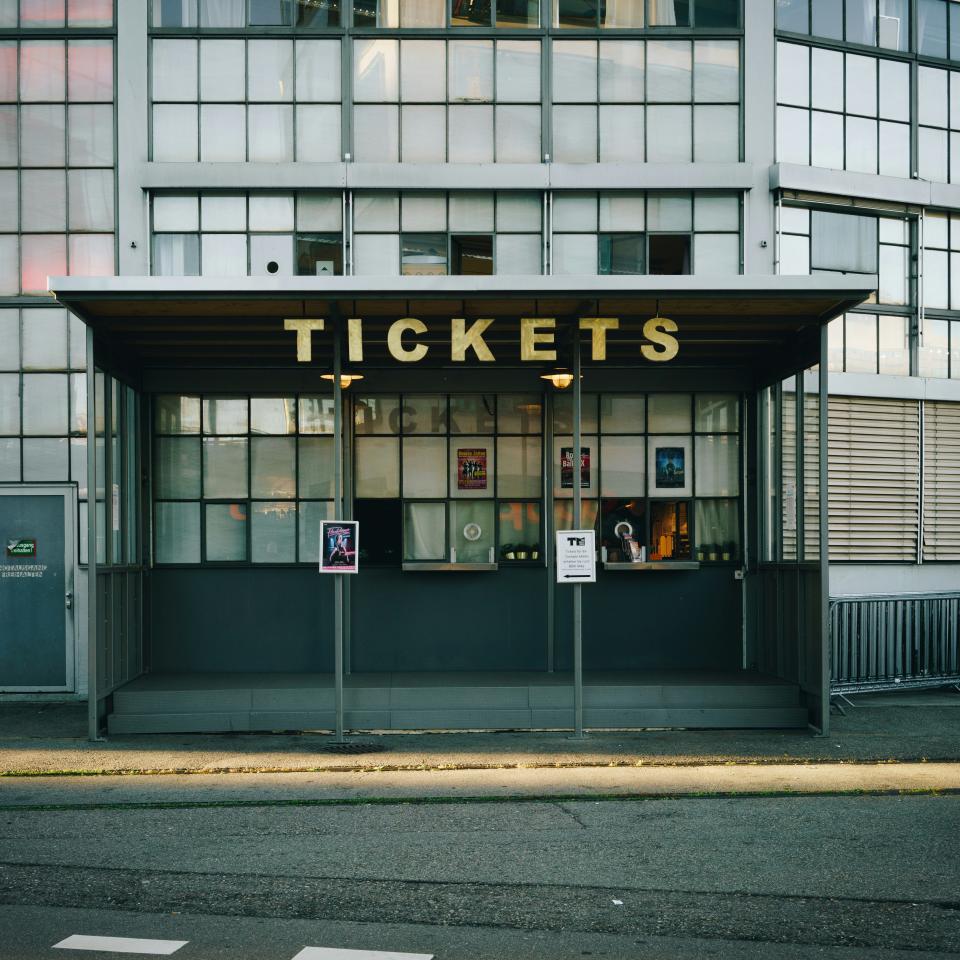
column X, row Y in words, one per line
column 576, row 556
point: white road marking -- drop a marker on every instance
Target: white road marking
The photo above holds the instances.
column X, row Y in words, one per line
column 340, row 953
column 120, row 945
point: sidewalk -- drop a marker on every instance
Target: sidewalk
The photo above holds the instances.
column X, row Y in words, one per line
column 880, row 728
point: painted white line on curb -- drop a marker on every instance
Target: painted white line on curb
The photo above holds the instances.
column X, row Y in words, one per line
column 120, row 945
column 340, row 953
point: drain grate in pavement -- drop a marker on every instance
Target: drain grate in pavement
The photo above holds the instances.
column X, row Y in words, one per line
column 354, row 747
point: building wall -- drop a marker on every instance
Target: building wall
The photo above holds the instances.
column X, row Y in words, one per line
column 84, row 193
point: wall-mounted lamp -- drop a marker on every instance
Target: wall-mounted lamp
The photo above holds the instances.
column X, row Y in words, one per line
column 345, row 378
column 561, row 379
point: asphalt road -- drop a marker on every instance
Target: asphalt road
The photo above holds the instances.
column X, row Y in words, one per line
column 770, row 877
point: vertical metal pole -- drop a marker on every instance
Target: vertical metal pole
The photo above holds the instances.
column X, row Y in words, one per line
column 577, row 511
column 823, row 437
column 338, row 515
column 93, row 660
column 548, row 527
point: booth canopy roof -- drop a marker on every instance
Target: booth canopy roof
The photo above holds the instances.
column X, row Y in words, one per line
column 743, row 321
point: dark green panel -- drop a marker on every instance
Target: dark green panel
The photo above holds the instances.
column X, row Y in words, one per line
column 449, row 621
column 653, row 620
column 33, row 627
column 245, row 620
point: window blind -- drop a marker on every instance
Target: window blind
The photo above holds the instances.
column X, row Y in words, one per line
column 941, row 481
column 874, row 471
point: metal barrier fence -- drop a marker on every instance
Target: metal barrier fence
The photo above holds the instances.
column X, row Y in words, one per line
column 882, row 643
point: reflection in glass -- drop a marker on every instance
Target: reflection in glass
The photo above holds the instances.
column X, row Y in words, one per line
column 472, row 414
column 519, row 413
column 718, row 466
column 375, row 415
column 563, row 514
column 273, row 467
column 861, row 341
column 519, row 466
column 315, row 467
column 425, row 467
column 894, row 343
column 310, row 514
column 177, row 468
column 378, row 467
column 623, row 466
column 224, row 415
column 273, row 415
column 935, row 348
column 520, row 531
column 224, row 467
column 176, row 414
column 273, row 532
column 226, row 530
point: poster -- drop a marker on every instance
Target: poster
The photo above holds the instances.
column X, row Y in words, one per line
column 566, row 467
column 471, row 468
column 670, row 468
column 339, row 541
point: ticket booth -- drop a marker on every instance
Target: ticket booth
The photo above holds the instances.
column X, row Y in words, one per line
column 440, row 413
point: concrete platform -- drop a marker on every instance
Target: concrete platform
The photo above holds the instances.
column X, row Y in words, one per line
column 227, row 702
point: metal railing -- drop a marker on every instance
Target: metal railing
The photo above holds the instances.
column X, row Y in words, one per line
column 883, row 643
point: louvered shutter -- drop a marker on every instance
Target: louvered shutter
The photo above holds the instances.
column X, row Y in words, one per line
column 941, row 481
column 874, row 469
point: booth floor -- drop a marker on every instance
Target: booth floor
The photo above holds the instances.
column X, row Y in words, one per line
column 219, row 702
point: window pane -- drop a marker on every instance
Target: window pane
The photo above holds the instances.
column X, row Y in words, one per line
column 716, row 254
column 575, row 134
column 273, row 532
column 518, row 71
column 273, row 467
column 45, row 459
column 424, row 531
column 174, row 69
column 375, row 70
column 517, row 134
column 315, row 476
column 894, row 90
column 575, row 254
column 91, row 199
column 932, row 27
column 374, row 415
column 470, row 70
column 174, row 13
column 669, row 71
column 827, row 18
column 717, row 413
column 91, row 135
column 669, row 413
column 718, row 466
column 519, row 254
column 10, row 459
column 90, row 70
column 222, row 69
column 472, row 531
column 224, row 467
column 176, row 255
column 222, row 13
column 861, row 341
column 44, row 340
column 377, row 467
column 224, row 255
column 376, row 137
column 574, row 71
column 175, row 414
column 932, row 154
column 226, row 531
column 623, row 471
column 423, row 134
column 41, row 135
column 471, row 134
column 669, row 255
column 669, row 137
column 932, row 96
column 271, row 256
column 622, row 413
column 793, row 74
column 843, row 242
column 42, row 70
column 177, row 468
column 376, row 254
column 717, row 13
column 175, row 133
column 270, row 133
column 224, row 415
column 718, row 533
column 425, row 467
column 310, row 516
column 716, row 134
column 622, row 253
column 934, row 348
column 273, row 415
column 9, row 403
column 318, row 134
column 669, row 13
column 622, row 134
column 423, row 71
column 826, row 77
column 42, row 256
column 621, row 71
column 270, row 70
column 894, row 342
column 669, row 212
column 894, row 159
column 716, row 71
column 44, row 200
column 894, row 24
column 178, row 533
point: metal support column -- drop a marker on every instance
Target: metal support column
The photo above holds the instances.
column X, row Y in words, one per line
column 824, row 502
column 93, row 659
column 338, row 514
column 548, row 527
column 577, row 464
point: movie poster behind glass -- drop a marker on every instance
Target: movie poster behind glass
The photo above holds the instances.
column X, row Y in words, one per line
column 670, row 466
column 471, row 468
column 566, row 467
column 339, row 540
